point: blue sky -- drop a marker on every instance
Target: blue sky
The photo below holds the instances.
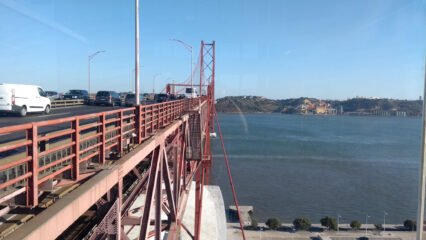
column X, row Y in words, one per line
column 330, row 49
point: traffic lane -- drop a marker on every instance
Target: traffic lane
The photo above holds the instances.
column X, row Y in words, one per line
column 10, row 119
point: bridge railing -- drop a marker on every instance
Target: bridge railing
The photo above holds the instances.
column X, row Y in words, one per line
column 34, row 153
column 67, row 103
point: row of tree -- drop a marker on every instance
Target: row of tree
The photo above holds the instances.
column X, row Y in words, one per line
column 329, row 222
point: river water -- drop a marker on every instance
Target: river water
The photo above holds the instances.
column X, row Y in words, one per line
column 291, row 166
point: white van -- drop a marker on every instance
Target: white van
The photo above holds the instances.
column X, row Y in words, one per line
column 20, row 98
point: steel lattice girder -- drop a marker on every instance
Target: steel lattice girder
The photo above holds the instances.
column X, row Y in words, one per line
column 54, row 220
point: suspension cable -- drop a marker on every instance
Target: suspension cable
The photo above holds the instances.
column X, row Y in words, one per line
column 229, row 174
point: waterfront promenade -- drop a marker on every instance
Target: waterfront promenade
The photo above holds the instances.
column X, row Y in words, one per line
column 233, row 233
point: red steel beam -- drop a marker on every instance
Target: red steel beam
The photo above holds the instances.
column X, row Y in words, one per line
column 32, row 192
column 14, row 146
column 102, row 148
column 76, row 149
column 158, row 196
column 15, row 163
column 152, row 183
column 15, row 180
column 168, row 186
column 52, row 150
column 16, row 128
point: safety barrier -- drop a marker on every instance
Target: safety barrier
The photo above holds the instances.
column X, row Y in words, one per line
column 40, row 151
column 67, row 103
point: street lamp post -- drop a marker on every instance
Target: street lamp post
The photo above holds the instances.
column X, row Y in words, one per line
column 366, row 222
column 137, row 52
column 338, row 217
column 384, row 221
column 189, row 48
column 133, row 76
column 89, row 58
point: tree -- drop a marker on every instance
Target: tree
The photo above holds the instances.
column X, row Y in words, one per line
column 329, row 222
column 410, row 224
column 273, row 223
column 355, row 225
column 302, row 223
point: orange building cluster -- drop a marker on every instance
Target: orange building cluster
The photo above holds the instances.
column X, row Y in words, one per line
column 320, row 108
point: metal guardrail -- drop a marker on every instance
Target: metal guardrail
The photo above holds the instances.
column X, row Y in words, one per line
column 66, row 103
column 36, row 157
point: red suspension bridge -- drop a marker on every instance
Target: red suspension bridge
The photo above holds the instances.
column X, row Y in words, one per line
column 120, row 174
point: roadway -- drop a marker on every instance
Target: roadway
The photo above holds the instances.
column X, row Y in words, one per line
column 10, row 119
column 345, row 233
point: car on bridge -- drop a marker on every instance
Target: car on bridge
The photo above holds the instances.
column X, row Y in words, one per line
column 52, row 95
column 148, row 96
column 161, row 97
column 75, row 94
column 22, row 99
column 108, row 98
column 130, row 99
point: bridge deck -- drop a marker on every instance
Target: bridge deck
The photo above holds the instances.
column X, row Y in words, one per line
column 54, row 220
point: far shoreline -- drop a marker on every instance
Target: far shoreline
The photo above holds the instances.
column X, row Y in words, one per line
column 317, row 115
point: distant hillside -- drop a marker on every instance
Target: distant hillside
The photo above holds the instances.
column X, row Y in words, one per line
column 247, row 104
column 303, row 105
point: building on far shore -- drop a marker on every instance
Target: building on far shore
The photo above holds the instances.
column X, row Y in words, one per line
column 392, row 113
column 332, row 111
column 246, row 213
column 340, row 110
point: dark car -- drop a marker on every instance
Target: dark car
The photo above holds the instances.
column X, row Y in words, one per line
column 108, row 98
column 77, row 94
column 173, row 97
column 130, row 100
column 52, row 95
column 145, row 96
column 161, row 97
column 123, row 95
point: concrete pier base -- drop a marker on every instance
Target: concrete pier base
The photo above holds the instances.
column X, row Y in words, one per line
column 213, row 216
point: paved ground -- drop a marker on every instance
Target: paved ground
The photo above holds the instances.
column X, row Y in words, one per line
column 235, row 234
column 9, row 119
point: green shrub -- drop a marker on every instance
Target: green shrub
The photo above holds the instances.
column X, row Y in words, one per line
column 410, row 224
column 355, row 225
column 329, row 222
column 302, row 223
column 273, row 223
